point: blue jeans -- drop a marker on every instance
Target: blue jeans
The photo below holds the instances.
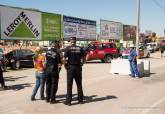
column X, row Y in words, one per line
column 134, row 69
column 40, row 82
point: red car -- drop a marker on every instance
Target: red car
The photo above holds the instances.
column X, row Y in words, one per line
column 162, row 42
column 101, row 51
column 143, row 52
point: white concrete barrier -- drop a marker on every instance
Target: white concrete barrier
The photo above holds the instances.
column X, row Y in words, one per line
column 122, row 67
column 146, row 64
column 140, row 66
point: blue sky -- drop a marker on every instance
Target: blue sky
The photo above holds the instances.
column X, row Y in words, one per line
column 152, row 16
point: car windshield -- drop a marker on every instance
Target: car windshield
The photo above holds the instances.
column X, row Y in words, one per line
column 91, row 46
column 44, row 49
column 141, row 47
column 149, row 44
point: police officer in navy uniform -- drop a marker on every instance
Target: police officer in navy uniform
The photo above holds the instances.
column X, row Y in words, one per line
column 74, row 55
column 53, row 64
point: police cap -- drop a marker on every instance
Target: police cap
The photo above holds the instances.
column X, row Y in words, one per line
column 72, row 38
column 54, row 43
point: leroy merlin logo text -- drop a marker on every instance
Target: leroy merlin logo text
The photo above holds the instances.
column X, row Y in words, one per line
column 22, row 25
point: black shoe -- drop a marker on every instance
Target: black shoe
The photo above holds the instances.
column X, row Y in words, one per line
column 67, row 103
column 42, row 98
column 33, row 99
column 4, row 87
column 53, row 101
column 47, row 100
column 80, row 102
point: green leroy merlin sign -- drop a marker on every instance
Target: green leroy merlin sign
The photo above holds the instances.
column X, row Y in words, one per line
column 29, row 25
column 51, row 26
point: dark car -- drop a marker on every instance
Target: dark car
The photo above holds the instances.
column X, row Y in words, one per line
column 20, row 58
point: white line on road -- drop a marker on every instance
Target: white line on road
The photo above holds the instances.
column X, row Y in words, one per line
column 153, row 106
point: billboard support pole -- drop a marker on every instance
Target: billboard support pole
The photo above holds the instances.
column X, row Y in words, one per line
column 138, row 26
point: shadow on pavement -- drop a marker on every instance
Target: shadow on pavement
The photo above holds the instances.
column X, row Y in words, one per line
column 148, row 75
column 19, row 86
column 12, row 78
column 94, row 98
column 87, row 99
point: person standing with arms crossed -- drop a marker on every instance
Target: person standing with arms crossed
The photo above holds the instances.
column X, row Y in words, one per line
column 74, row 55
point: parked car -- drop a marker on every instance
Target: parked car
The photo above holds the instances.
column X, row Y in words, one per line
column 101, row 51
column 143, row 52
column 152, row 47
column 20, row 58
column 162, row 42
column 162, row 45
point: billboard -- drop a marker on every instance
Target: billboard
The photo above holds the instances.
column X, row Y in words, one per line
column 82, row 29
column 51, row 26
column 110, row 30
column 129, row 33
column 22, row 24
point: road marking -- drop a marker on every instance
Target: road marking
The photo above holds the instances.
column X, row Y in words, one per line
column 153, row 106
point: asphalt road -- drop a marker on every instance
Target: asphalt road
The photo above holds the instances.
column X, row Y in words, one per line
column 105, row 93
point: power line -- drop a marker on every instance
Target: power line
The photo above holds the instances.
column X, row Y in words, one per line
column 158, row 4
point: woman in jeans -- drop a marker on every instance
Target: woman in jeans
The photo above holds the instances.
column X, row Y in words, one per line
column 39, row 65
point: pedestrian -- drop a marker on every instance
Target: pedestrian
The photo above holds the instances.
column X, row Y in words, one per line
column 39, row 65
column 133, row 62
column 53, row 67
column 74, row 55
column 1, row 72
column 162, row 48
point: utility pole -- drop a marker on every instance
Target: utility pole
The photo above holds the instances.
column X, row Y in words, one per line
column 138, row 26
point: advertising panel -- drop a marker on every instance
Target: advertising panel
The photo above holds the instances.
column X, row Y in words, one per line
column 80, row 28
column 110, row 30
column 20, row 24
column 129, row 33
column 51, row 26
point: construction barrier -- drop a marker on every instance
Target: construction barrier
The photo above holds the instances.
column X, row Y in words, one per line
column 122, row 67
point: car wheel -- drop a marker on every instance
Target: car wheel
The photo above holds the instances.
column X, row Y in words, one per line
column 4, row 68
column 107, row 59
column 102, row 60
column 16, row 65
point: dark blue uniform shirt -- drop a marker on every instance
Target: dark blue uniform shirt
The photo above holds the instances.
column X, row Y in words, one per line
column 74, row 54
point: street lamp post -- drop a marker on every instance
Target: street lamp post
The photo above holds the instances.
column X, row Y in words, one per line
column 138, row 25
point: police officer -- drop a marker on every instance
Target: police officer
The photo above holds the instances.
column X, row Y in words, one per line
column 74, row 55
column 53, row 62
